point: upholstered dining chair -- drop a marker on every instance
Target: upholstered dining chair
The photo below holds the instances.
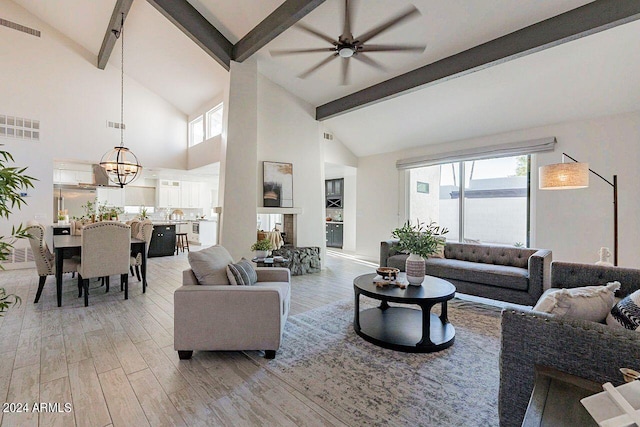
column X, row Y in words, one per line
column 145, row 233
column 106, row 249
column 45, row 263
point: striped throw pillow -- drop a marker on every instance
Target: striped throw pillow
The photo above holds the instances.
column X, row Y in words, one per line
column 242, row 273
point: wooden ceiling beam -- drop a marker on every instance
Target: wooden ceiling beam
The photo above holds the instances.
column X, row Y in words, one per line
column 197, row 28
column 591, row 18
column 115, row 24
column 286, row 15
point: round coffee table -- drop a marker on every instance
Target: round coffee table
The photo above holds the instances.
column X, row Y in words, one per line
column 403, row 328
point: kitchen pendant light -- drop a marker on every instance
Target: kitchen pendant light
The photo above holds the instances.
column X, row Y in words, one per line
column 120, row 164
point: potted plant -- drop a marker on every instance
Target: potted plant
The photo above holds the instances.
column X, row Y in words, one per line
column 90, row 210
column 13, row 182
column 262, row 248
column 143, row 213
column 420, row 241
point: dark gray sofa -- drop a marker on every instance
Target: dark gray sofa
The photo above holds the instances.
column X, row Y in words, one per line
column 587, row 349
column 517, row 275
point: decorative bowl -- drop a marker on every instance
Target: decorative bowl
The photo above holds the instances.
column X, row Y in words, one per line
column 390, row 273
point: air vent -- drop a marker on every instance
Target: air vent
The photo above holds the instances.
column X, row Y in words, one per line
column 116, row 125
column 19, row 27
column 18, row 258
column 328, row 136
column 19, row 127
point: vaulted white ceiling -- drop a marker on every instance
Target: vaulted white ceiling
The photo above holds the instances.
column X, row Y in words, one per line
column 584, row 78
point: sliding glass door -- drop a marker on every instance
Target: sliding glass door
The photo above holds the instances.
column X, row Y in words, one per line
column 490, row 204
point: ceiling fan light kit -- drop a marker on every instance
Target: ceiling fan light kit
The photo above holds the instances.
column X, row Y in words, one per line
column 347, row 46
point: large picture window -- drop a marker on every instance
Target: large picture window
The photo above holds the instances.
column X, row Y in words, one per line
column 479, row 201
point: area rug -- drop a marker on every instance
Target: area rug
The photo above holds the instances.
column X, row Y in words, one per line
column 362, row 384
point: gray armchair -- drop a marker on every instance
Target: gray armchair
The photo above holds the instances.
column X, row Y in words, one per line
column 228, row 317
column 586, row 349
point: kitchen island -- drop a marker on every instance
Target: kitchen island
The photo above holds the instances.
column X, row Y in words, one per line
column 163, row 239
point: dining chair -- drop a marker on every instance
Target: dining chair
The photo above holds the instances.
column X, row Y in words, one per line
column 106, row 248
column 45, row 260
column 145, row 233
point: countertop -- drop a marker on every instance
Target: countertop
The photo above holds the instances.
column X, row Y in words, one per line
column 334, row 222
column 168, row 222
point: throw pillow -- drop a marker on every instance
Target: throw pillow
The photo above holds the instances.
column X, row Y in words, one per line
column 441, row 243
column 626, row 313
column 210, row 265
column 586, row 303
column 242, row 273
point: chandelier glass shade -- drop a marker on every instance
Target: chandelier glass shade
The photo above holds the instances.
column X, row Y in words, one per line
column 120, row 164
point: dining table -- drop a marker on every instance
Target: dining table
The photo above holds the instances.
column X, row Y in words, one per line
column 66, row 246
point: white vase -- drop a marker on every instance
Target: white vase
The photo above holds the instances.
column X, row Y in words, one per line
column 262, row 254
column 414, row 267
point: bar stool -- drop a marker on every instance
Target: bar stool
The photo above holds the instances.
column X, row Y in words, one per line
column 181, row 242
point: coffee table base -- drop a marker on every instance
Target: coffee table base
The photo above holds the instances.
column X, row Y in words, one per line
column 400, row 328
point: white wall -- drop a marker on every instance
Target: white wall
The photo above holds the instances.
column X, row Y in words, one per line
column 573, row 223
column 209, row 151
column 238, row 175
column 54, row 80
column 288, row 132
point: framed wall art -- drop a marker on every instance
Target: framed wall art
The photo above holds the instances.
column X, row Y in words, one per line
column 278, row 185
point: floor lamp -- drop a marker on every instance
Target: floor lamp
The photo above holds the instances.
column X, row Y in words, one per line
column 569, row 176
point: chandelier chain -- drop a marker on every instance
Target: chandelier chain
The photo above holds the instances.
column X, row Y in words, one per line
column 122, row 83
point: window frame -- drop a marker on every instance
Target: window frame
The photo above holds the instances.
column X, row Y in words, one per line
column 192, row 141
column 208, row 114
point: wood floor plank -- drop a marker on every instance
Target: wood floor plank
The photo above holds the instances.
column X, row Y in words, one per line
column 154, row 401
column 194, row 409
column 56, row 395
column 75, row 345
column 24, row 389
column 169, row 378
column 4, row 388
column 128, row 355
column 89, row 405
column 53, row 359
column 51, row 323
column 28, row 351
column 123, row 405
column 102, row 351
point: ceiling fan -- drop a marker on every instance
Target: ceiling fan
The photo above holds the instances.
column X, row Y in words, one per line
column 348, row 47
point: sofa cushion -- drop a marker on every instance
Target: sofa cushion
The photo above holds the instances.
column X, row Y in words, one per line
column 397, row 261
column 210, row 265
column 242, row 273
column 586, row 303
column 500, row 276
column 489, row 254
column 626, row 313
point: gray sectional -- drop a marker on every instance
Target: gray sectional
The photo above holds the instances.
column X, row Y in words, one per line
column 583, row 348
column 517, row 275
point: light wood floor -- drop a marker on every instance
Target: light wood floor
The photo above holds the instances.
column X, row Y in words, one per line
column 113, row 362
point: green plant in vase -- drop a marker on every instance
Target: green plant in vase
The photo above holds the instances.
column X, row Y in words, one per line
column 90, row 210
column 420, row 241
column 262, row 248
column 143, row 213
column 13, row 182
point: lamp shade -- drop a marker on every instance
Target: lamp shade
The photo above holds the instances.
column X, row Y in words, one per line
column 563, row 176
column 121, row 165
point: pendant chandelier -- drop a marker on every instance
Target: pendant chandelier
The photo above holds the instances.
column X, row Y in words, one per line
column 120, row 164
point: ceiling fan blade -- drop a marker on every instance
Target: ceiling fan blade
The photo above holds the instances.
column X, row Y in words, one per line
column 317, row 66
column 346, row 31
column 345, row 71
column 315, row 33
column 369, row 61
column 392, row 48
column 282, row 52
column 384, row 27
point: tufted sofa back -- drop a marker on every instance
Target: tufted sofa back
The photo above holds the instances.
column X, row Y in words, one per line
column 489, row 254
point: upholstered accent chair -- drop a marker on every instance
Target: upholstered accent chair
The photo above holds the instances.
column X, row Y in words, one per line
column 106, row 250
column 211, row 314
column 45, row 263
column 145, row 231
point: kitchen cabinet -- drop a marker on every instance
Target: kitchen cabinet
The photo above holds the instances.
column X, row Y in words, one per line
column 66, row 176
column 169, row 194
column 334, row 190
column 189, row 194
column 163, row 241
column 334, row 235
column 110, row 196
